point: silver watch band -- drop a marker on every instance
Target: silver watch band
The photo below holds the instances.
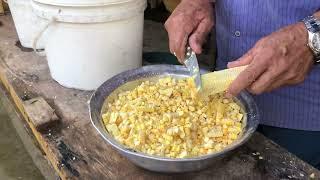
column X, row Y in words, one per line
column 313, row 26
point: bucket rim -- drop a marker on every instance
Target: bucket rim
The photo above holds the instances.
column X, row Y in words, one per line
column 88, row 3
column 90, row 14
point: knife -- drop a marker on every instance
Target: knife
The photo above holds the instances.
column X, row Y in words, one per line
column 192, row 65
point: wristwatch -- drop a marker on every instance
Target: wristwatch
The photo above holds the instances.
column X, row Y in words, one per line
column 313, row 26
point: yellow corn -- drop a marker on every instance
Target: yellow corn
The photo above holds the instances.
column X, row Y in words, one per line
column 166, row 118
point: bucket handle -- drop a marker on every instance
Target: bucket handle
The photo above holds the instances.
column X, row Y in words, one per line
column 40, row 52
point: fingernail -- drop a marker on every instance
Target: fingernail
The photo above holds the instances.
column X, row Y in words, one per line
column 231, row 63
column 228, row 95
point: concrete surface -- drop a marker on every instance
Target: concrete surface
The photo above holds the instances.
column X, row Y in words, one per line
column 15, row 162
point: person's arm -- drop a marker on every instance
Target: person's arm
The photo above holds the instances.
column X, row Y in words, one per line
column 190, row 22
column 279, row 59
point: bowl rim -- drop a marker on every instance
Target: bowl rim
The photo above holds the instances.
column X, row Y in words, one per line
column 128, row 151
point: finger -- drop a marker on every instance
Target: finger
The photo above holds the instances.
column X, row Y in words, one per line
column 276, row 84
column 182, row 49
column 285, row 78
column 177, row 38
column 302, row 72
column 199, row 36
column 177, row 45
column 168, row 27
column 244, row 60
column 171, row 45
column 265, row 81
column 246, row 78
column 282, row 80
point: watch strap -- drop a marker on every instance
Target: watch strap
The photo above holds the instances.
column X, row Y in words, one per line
column 312, row 24
column 317, row 59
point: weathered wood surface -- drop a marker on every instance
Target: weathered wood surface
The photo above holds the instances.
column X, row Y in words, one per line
column 1, row 7
column 4, row 8
column 41, row 115
column 23, row 131
column 75, row 149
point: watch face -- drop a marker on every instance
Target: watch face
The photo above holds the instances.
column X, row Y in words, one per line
column 316, row 41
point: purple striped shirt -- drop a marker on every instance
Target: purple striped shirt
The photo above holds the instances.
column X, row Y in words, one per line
column 241, row 23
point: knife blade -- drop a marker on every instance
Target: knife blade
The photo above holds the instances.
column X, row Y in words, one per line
column 192, row 65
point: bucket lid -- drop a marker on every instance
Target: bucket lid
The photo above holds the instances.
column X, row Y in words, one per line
column 80, row 2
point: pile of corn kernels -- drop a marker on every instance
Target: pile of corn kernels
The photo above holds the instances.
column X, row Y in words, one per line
column 166, row 118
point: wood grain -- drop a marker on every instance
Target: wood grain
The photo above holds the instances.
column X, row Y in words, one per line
column 1, row 7
column 41, row 115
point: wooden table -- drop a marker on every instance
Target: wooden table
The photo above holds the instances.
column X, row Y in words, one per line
column 75, row 149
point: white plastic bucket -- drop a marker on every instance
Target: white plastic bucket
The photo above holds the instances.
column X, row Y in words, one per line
column 26, row 22
column 89, row 44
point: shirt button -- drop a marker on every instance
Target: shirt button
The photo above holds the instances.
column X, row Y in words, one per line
column 237, row 33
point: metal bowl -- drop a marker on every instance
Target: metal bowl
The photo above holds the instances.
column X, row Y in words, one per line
column 130, row 79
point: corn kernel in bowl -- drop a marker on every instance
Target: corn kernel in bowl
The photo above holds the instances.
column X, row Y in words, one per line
column 166, row 118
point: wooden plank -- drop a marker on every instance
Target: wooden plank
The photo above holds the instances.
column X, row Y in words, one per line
column 76, row 150
column 41, row 115
column 39, row 137
column 5, row 6
column 1, row 7
column 26, row 137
